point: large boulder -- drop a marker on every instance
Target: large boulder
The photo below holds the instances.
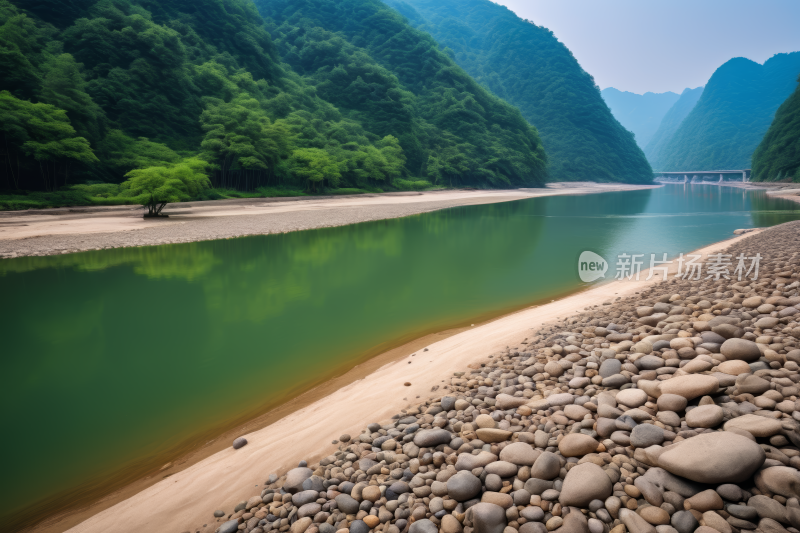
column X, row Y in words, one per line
column 718, row 457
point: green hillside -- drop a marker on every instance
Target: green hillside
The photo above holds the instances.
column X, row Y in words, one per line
column 778, row 155
column 639, row 113
column 732, row 115
column 670, row 123
column 91, row 90
column 527, row 66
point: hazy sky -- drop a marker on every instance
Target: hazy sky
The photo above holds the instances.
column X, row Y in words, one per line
column 658, row 46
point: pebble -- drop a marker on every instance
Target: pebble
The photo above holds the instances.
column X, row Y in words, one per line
column 547, row 466
column 239, row 443
column 690, row 387
column 488, row 518
column 646, row 435
column 584, row 483
column 671, row 402
column 519, row 453
column 577, row 445
column 463, row 486
column 705, row 416
column 741, row 349
column 632, row 397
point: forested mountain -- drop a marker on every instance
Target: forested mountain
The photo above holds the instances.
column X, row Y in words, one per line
column 670, row 123
column 732, row 115
column 778, row 155
column 639, row 113
column 93, row 89
column 527, row 66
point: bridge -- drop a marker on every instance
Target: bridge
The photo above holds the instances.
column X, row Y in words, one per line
column 694, row 175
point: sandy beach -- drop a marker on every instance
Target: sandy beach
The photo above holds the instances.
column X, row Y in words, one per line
column 68, row 230
column 184, row 501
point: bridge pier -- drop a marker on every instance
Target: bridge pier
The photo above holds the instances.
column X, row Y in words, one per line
column 744, row 176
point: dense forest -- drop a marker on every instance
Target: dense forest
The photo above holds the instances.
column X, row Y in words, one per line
column 639, row 113
column 732, row 115
column 778, row 155
column 97, row 91
column 526, row 65
column 670, row 123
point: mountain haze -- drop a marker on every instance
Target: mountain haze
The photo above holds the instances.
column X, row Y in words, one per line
column 639, row 113
column 527, row 66
column 670, row 123
column 734, row 112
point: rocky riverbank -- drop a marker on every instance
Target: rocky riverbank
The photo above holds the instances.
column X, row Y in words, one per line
column 673, row 410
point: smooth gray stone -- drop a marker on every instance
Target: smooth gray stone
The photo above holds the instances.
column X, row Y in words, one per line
column 609, row 367
column 649, row 362
column 430, row 438
column 359, row 526
column 730, row 492
column 231, row 526
column 533, row 513
column 614, row 382
column 420, row 526
column 744, row 512
column 684, row 522
column 646, row 435
column 463, row 486
column 346, row 503
column 533, row 527
column 537, row 486
column 239, row 443
column 304, row 497
column 448, row 403
column 669, row 482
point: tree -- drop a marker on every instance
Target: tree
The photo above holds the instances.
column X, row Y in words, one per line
column 155, row 187
column 43, row 132
column 65, row 88
column 314, row 166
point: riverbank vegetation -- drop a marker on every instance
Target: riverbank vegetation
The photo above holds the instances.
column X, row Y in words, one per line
column 778, row 156
column 95, row 90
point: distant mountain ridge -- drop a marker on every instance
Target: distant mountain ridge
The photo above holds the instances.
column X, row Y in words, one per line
column 528, row 67
column 670, row 123
column 731, row 117
column 778, row 155
column 639, row 113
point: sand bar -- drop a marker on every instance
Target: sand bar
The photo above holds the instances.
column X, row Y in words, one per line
column 184, row 501
column 68, row 230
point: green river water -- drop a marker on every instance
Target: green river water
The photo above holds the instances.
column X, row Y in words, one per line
column 114, row 361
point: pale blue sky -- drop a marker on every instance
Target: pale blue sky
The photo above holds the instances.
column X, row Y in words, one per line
column 649, row 45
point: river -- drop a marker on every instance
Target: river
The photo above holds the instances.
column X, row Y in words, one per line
column 117, row 361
